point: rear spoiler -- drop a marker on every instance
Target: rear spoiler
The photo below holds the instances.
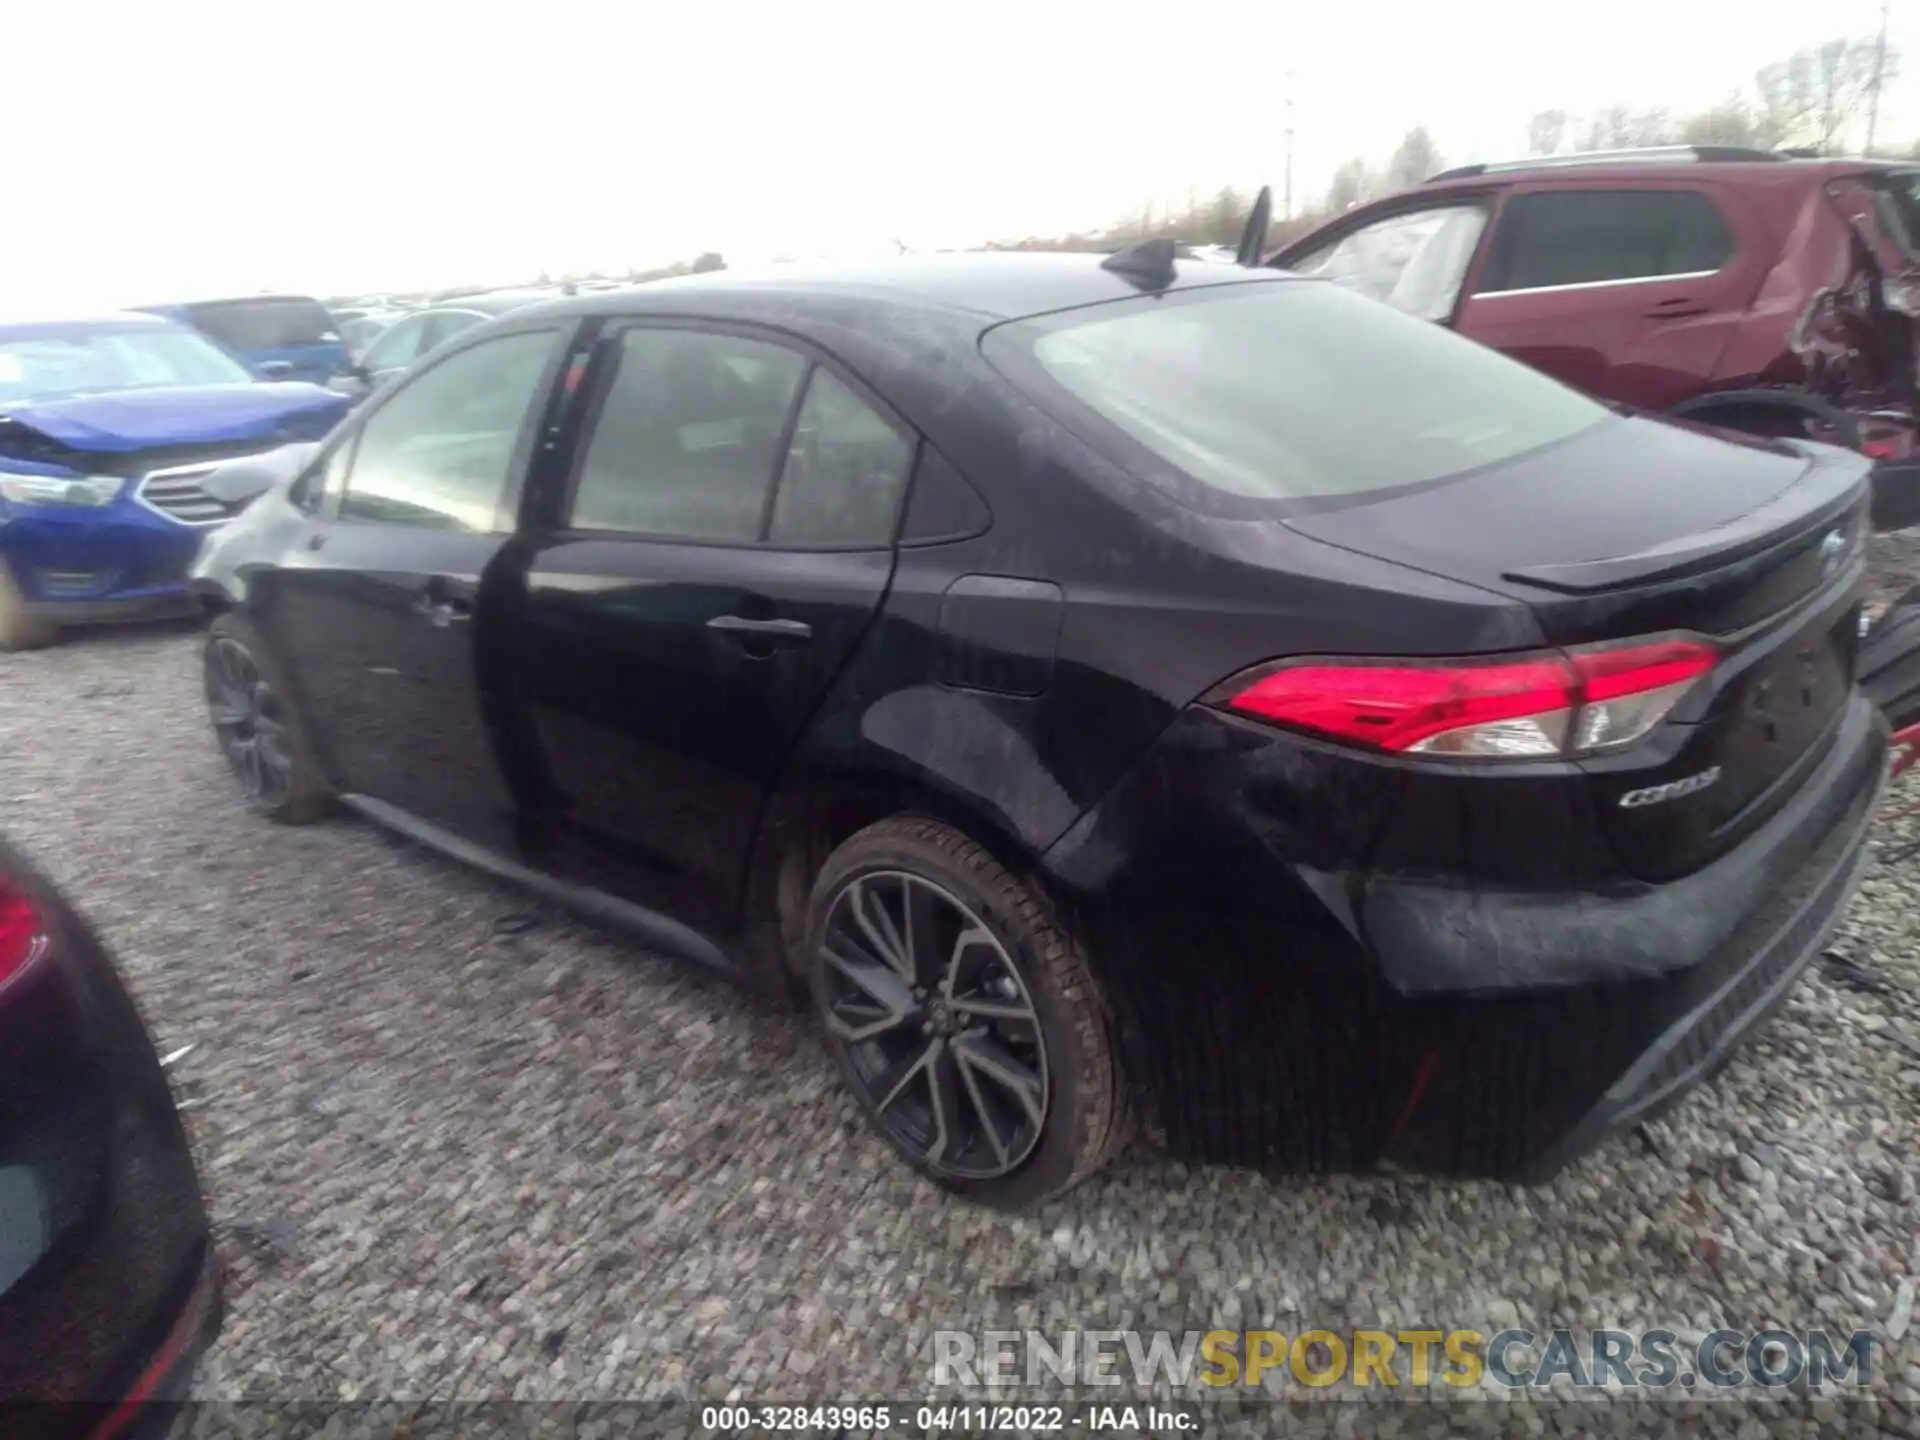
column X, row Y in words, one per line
column 1830, row 486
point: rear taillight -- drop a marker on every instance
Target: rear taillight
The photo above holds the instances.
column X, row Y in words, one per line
column 23, row 935
column 1553, row 703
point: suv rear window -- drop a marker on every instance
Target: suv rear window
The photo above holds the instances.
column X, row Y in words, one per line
column 1578, row 237
column 1289, row 390
column 270, row 323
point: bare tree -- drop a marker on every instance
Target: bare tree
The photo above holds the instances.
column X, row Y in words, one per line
column 1786, row 99
column 1226, row 217
column 1845, row 73
column 1547, row 132
column 709, row 260
column 1619, row 127
column 1731, row 122
column 1417, row 159
column 1351, row 184
column 1813, row 95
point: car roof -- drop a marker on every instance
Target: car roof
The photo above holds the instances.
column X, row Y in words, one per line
column 493, row 302
column 985, row 287
column 73, row 326
column 273, row 298
column 1786, row 171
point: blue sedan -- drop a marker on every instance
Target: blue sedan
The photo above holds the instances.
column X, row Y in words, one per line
column 108, row 428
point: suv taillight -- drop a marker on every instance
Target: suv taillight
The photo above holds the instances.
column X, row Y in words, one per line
column 23, row 935
column 1563, row 704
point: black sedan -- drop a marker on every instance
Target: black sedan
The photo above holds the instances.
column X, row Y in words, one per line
column 1099, row 685
column 109, row 1288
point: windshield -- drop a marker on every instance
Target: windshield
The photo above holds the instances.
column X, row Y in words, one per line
column 1291, row 390
column 53, row 367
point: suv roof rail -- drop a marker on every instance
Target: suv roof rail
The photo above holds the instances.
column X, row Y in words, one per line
column 1655, row 154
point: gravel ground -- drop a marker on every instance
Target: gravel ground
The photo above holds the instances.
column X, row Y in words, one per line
column 450, row 1156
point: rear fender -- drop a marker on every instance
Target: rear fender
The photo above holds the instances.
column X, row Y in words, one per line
column 1820, row 325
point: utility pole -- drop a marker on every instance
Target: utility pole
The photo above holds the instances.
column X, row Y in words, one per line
column 1879, row 74
column 1287, row 210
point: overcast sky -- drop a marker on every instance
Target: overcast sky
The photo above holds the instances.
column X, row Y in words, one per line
column 174, row 150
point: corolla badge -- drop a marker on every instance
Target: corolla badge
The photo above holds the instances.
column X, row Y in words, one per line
column 1672, row 790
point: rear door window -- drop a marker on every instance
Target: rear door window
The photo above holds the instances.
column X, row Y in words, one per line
column 1284, row 390
column 688, row 436
column 845, row 473
column 1584, row 237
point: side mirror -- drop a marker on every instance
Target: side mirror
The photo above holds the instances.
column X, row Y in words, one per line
column 1896, row 494
column 275, row 369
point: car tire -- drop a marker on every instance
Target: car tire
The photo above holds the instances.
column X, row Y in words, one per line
column 19, row 628
column 994, row 989
column 257, row 726
column 1888, row 669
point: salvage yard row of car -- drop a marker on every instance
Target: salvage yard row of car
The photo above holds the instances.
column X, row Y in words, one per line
column 1102, row 688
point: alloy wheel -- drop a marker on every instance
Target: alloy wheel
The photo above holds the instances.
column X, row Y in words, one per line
column 250, row 723
column 936, row 1024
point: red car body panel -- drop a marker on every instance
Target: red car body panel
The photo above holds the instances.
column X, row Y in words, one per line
column 1814, row 302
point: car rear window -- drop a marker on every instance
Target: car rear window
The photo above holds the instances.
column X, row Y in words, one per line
column 1291, row 390
column 272, row 323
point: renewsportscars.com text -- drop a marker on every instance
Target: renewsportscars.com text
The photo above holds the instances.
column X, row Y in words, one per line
column 1601, row 1361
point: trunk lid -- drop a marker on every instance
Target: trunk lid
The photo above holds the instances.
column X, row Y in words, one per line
column 1758, row 544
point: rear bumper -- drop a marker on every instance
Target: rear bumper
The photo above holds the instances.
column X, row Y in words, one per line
column 1274, row 1020
column 1741, row 995
column 150, row 1405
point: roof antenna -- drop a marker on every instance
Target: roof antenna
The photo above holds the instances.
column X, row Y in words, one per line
column 1253, row 240
column 1148, row 265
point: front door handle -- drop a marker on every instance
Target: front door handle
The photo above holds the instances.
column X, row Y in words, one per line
column 442, row 613
column 766, row 632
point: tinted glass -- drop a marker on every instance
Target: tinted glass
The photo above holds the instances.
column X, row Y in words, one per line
column 1415, row 262
column 1576, row 237
column 1292, row 389
column 845, row 473
column 271, row 323
column 443, row 327
column 359, row 334
column 438, row 451
column 687, row 437
column 400, row 346
column 81, row 362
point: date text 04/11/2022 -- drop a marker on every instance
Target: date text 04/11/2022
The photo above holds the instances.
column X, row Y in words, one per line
column 973, row 1419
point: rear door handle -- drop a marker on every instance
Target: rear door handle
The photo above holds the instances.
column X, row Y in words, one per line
column 774, row 632
column 442, row 604
column 1678, row 308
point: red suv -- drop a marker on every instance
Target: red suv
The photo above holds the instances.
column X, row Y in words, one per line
column 1739, row 288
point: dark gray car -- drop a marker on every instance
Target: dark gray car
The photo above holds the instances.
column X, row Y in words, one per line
column 406, row 340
